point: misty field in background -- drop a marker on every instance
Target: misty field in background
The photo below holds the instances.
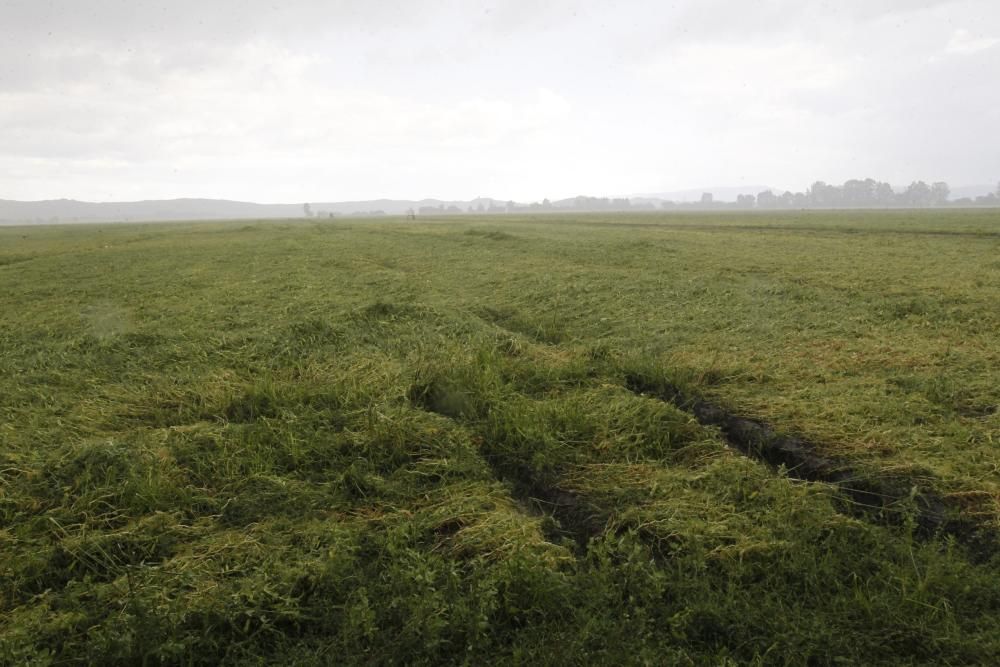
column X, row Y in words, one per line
column 460, row 440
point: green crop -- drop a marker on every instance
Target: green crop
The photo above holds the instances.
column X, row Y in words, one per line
column 478, row 440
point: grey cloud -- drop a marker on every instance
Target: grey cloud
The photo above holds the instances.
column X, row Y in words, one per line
column 135, row 22
column 539, row 98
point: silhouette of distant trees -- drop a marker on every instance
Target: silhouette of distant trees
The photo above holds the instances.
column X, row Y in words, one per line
column 853, row 193
column 864, row 193
column 991, row 199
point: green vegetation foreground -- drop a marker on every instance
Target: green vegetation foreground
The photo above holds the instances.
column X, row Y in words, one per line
column 460, row 441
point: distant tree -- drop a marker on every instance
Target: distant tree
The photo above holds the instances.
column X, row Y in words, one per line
column 706, row 198
column 546, row 204
column 860, row 193
column 823, row 195
column 940, row 193
column 767, row 199
column 815, row 192
column 884, row 196
column 854, row 193
column 307, row 209
column 917, row 194
column 745, row 201
column 410, row 214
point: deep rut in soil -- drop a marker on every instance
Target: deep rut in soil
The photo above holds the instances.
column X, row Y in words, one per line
column 573, row 518
column 884, row 500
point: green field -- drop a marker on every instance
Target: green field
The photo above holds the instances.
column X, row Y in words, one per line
column 591, row 439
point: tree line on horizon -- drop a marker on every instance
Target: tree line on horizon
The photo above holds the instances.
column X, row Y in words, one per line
column 866, row 193
column 854, row 193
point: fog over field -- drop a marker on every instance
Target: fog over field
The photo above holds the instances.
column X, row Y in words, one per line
column 328, row 102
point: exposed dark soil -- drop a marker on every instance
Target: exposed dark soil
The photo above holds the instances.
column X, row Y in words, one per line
column 572, row 517
column 888, row 500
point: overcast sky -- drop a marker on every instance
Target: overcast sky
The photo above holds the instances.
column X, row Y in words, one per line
column 285, row 101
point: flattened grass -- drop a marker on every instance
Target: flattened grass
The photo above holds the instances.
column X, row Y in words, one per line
column 412, row 442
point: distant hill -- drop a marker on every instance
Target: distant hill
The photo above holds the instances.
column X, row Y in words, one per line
column 70, row 210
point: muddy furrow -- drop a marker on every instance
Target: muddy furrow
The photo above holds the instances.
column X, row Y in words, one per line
column 887, row 500
column 574, row 518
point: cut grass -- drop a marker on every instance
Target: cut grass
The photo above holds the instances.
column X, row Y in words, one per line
column 414, row 442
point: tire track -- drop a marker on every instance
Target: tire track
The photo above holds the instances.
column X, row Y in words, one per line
column 881, row 500
column 573, row 517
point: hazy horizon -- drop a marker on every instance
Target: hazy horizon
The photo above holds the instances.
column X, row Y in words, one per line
column 315, row 101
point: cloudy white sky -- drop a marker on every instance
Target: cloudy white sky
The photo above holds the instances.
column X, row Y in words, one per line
column 285, row 101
